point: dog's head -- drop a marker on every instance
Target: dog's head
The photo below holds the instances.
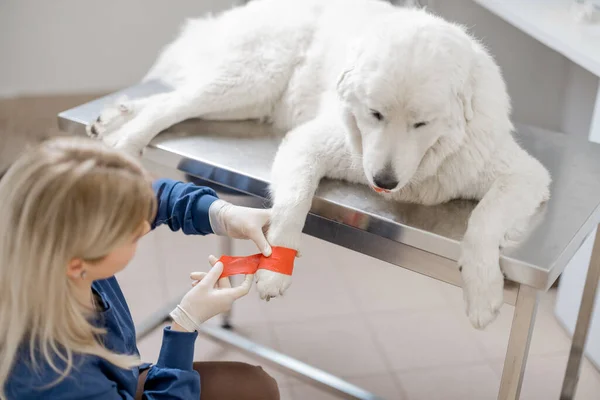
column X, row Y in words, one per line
column 407, row 96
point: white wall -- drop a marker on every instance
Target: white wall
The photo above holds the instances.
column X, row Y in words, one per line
column 58, row 46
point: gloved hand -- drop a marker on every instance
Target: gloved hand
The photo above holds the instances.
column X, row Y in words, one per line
column 208, row 297
column 240, row 223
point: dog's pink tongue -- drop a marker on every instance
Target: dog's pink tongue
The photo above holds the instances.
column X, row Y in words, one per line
column 380, row 190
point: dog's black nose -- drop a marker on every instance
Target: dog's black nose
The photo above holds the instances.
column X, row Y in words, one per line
column 386, row 179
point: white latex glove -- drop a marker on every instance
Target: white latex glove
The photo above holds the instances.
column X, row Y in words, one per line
column 241, row 223
column 208, row 297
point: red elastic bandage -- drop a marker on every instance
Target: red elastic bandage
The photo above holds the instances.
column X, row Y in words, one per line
column 281, row 261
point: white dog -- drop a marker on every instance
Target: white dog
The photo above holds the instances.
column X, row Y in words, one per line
column 419, row 102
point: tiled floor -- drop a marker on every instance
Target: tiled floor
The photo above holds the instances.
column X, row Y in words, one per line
column 390, row 331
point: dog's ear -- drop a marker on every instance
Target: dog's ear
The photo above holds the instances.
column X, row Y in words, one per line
column 465, row 96
column 344, row 91
column 354, row 136
column 346, row 83
column 343, row 86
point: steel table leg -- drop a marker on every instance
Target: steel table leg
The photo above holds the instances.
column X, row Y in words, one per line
column 583, row 323
column 518, row 343
column 226, row 247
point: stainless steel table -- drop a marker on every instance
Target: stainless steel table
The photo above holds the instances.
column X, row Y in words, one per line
column 236, row 156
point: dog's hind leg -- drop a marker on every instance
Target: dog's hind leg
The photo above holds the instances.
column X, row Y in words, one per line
column 232, row 92
column 307, row 154
column 241, row 76
column 115, row 115
column 143, row 119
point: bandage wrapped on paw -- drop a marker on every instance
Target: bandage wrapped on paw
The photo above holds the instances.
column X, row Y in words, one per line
column 281, row 261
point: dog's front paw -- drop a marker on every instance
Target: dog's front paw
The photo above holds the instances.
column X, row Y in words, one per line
column 271, row 284
column 285, row 230
column 112, row 118
column 483, row 285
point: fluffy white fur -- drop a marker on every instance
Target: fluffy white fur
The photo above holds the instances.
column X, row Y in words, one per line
column 369, row 93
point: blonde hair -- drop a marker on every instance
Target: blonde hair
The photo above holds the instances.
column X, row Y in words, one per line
column 66, row 198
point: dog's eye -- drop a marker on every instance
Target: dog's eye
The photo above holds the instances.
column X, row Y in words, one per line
column 377, row 115
column 419, row 124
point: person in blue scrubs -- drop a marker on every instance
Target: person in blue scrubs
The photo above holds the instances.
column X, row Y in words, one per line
column 73, row 211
